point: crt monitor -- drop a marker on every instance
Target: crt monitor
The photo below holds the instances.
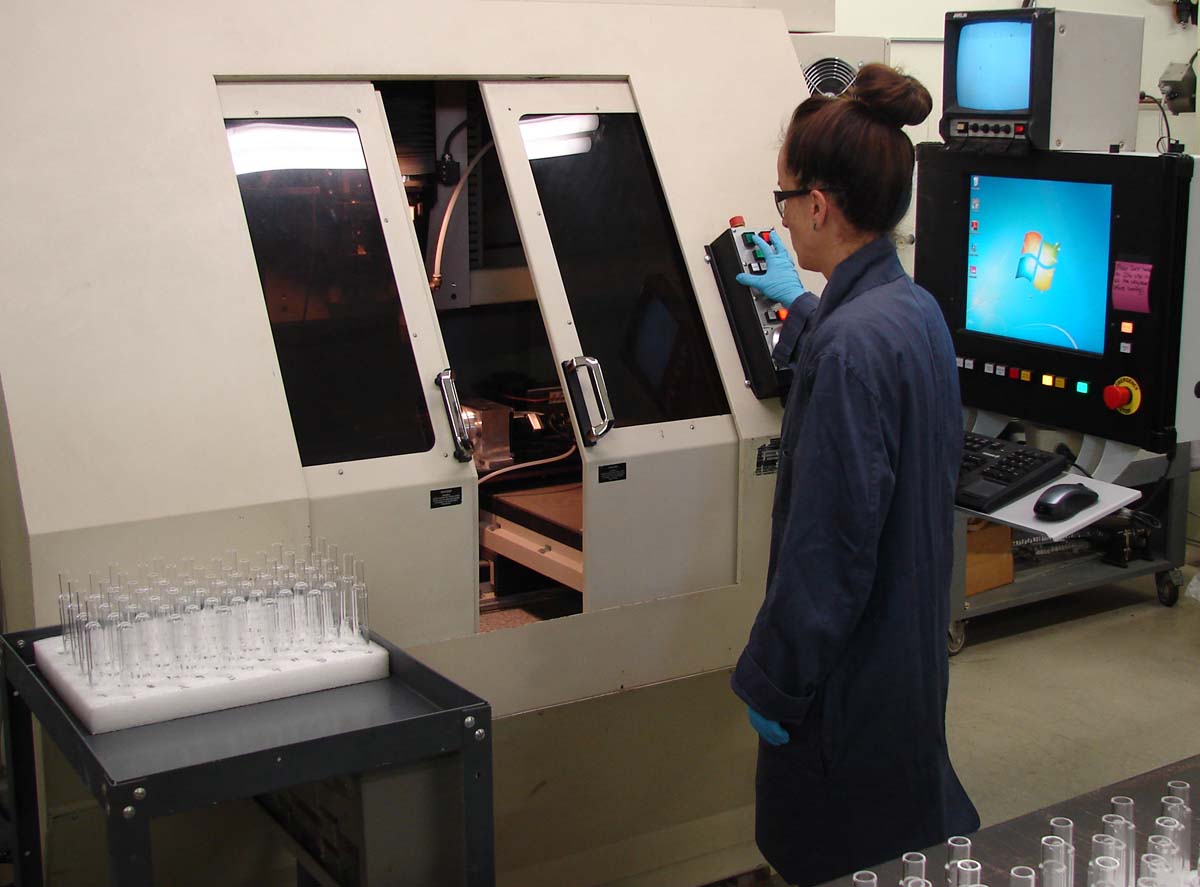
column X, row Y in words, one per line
column 1061, row 279
column 1018, row 78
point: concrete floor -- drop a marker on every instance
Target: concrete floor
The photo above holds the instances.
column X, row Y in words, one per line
column 1058, row 698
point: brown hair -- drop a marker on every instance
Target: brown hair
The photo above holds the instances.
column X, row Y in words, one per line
column 854, row 146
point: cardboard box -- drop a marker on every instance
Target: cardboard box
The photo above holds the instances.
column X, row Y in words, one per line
column 989, row 556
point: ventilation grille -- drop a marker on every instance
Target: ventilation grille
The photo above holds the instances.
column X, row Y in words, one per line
column 829, row 76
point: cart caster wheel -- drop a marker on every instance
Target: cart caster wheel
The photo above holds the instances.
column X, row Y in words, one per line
column 1168, row 583
column 957, row 637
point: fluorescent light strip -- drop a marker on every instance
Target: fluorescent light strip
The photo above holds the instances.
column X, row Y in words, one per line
column 259, row 147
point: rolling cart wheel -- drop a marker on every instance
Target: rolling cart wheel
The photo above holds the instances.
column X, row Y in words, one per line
column 957, row 637
column 1168, row 583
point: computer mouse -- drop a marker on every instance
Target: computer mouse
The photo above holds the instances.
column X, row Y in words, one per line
column 1063, row 501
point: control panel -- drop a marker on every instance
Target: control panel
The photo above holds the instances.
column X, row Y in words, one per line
column 1061, row 278
column 970, row 128
column 755, row 319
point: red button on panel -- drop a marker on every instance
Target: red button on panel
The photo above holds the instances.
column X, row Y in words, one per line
column 765, row 235
column 737, row 222
column 1013, row 372
column 1116, row 396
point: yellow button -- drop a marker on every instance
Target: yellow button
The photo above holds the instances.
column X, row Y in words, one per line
column 1048, row 381
column 1026, row 375
column 1060, row 382
column 1127, row 326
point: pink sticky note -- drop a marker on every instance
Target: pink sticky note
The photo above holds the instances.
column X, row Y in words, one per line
column 1131, row 287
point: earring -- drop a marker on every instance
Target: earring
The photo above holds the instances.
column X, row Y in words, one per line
column 814, row 226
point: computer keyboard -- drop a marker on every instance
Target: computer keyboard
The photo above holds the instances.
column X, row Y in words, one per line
column 994, row 472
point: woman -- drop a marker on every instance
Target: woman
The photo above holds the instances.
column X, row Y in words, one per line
column 846, row 670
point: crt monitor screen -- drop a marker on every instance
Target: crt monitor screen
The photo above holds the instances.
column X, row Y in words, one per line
column 994, row 63
column 1038, row 261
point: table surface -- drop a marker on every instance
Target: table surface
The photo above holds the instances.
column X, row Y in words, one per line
column 1018, row 841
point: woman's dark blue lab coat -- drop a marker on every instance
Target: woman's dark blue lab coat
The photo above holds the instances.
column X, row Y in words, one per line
column 849, row 649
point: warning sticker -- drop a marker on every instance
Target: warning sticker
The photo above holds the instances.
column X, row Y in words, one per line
column 445, row 498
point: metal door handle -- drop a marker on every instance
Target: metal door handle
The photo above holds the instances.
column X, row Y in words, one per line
column 463, row 448
column 591, row 432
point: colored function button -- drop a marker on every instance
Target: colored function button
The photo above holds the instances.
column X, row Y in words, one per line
column 1019, row 129
column 783, row 313
column 989, row 368
column 748, row 238
column 737, row 222
column 1060, row 382
column 765, row 235
column 1001, row 369
column 1026, row 376
column 1127, row 327
column 758, row 254
column 1127, row 348
column 1013, row 373
column 1081, row 387
column 1048, row 381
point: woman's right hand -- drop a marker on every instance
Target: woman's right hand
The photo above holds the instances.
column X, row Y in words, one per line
column 781, row 283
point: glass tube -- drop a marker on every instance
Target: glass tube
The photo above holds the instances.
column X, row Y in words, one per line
column 363, row 628
column 865, row 879
column 912, row 866
column 128, row 647
column 1022, row 876
column 957, row 849
column 1149, row 882
column 314, row 627
column 177, row 643
column 268, row 628
column 1054, row 874
column 287, row 620
column 1104, row 871
column 1116, row 827
column 915, row 882
column 93, row 651
column 1064, row 828
column 1180, row 789
column 970, row 873
column 1153, row 866
column 1176, row 808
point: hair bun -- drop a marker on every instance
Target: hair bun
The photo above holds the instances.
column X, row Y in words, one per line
column 892, row 96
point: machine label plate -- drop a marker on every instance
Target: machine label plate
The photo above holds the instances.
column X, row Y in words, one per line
column 768, row 458
column 610, row 473
column 445, row 498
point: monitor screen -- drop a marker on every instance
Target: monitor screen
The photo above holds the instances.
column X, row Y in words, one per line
column 994, row 65
column 1038, row 261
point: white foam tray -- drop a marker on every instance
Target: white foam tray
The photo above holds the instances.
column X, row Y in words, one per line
column 116, row 708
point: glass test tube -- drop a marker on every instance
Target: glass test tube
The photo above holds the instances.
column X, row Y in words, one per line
column 1176, row 808
column 1115, row 827
column 1054, row 874
column 1104, row 871
column 1153, row 866
column 363, row 628
column 1180, row 789
column 1022, row 876
column 958, row 848
column 970, row 873
column 912, row 866
column 1064, row 828
column 1171, row 829
column 865, row 879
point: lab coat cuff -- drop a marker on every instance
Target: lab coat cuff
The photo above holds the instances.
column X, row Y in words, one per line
column 799, row 315
column 759, row 692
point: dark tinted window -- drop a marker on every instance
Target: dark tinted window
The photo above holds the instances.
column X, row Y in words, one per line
column 348, row 368
column 633, row 304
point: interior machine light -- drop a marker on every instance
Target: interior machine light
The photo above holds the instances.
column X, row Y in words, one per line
column 558, row 135
column 259, row 147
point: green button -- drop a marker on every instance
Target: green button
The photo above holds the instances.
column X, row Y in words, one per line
column 1081, row 387
column 748, row 238
column 758, row 254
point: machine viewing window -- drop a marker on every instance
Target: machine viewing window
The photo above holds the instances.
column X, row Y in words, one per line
column 629, row 292
column 1038, row 261
column 343, row 346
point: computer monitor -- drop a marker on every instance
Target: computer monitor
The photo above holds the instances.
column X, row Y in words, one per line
column 1061, row 277
column 1028, row 77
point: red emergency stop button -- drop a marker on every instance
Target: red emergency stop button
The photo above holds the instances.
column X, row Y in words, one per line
column 1117, row 396
column 737, row 222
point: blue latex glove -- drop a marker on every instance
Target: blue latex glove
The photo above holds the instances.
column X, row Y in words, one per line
column 781, row 282
column 771, row 731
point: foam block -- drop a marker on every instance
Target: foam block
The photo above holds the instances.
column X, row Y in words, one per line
column 110, row 707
